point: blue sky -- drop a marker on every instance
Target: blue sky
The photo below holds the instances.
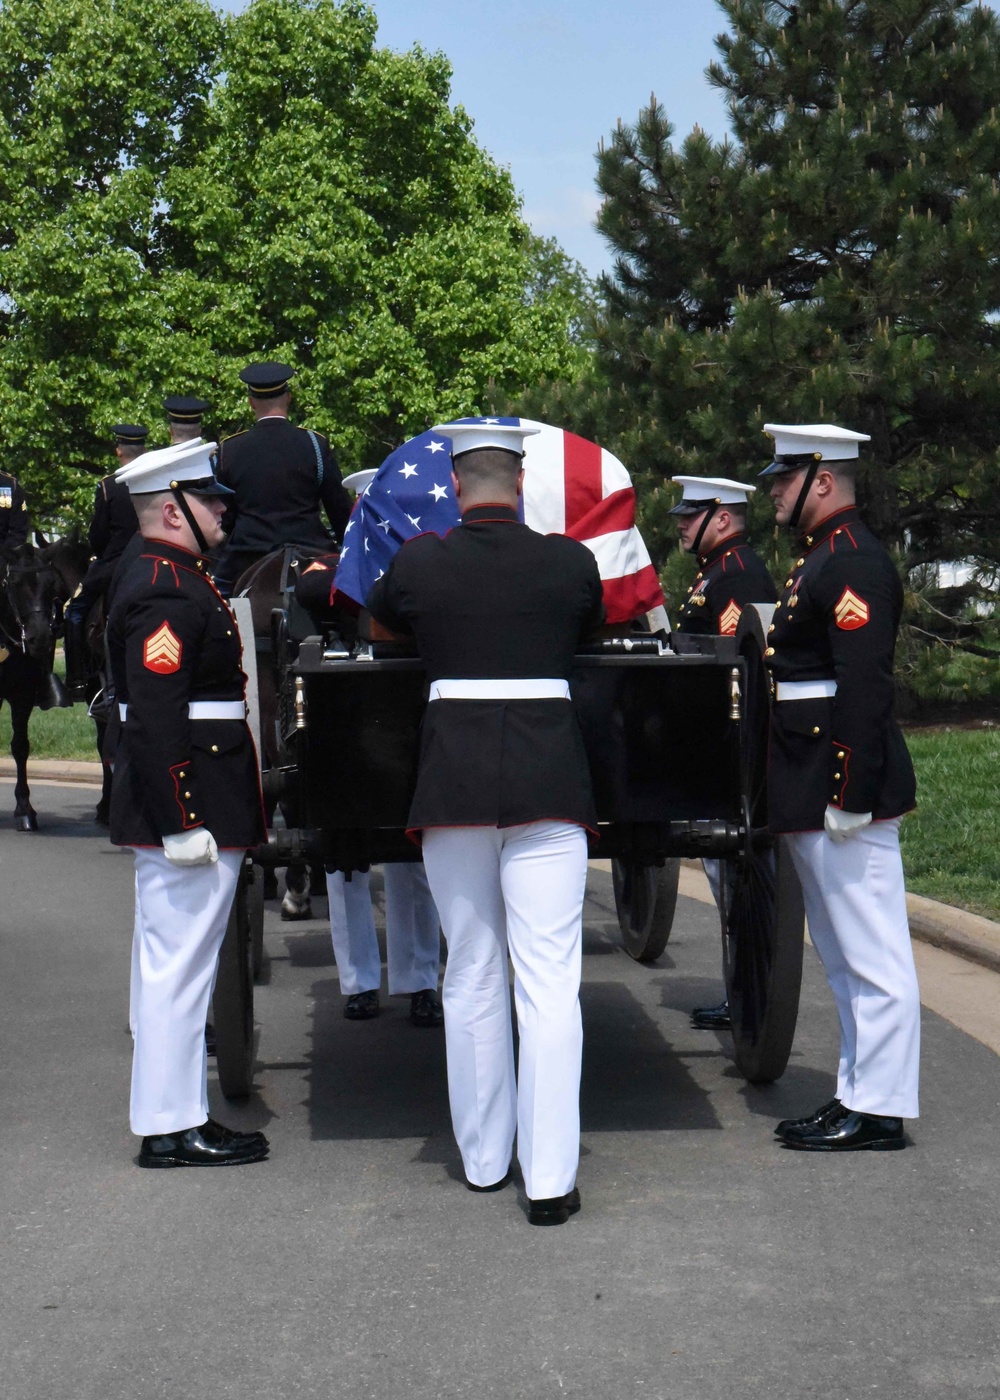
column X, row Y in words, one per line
column 545, row 80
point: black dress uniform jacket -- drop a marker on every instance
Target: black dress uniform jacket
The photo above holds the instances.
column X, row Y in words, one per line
column 494, row 599
column 14, row 518
column 112, row 526
column 730, row 576
column 837, row 620
column 272, row 467
column 174, row 640
column 113, row 522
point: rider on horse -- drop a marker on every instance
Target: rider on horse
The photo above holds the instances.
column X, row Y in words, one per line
column 14, row 518
column 112, row 527
column 281, row 476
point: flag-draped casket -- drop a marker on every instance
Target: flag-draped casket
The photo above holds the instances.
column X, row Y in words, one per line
column 571, row 487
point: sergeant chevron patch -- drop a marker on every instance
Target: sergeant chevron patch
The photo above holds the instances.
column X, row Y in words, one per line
column 729, row 619
column 161, row 651
column 851, row 612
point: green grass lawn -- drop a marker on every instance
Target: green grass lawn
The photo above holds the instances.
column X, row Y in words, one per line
column 54, row 734
column 951, row 843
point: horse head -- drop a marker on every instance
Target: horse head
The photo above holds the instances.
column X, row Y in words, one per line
column 31, row 611
column 69, row 556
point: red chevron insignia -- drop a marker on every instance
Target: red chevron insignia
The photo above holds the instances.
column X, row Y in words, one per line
column 851, row 612
column 161, row 651
column 729, row 619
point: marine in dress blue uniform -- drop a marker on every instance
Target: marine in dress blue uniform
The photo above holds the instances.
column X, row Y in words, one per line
column 280, row 476
column 502, row 803
column 186, row 797
column 840, row 779
column 412, row 927
column 731, row 576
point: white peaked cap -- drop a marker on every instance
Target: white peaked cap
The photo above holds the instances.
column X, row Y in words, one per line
column 358, row 481
column 714, row 488
column 798, row 439
column 468, row 437
column 184, row 462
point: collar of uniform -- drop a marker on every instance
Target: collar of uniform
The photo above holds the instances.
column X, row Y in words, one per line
column 175, row 554
column 823, row 529
column 723, row 547
column 273, row 418
column 493, row 512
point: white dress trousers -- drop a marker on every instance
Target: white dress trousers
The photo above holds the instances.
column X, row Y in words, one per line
column 181, row 917
column 856, row 907
column 516, row 890
column 413, row 931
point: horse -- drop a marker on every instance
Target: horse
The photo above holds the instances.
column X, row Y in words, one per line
column 33, row 592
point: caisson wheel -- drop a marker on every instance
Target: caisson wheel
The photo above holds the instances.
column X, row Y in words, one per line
column 762, row 914
column 232, row 1001
column 645, row 899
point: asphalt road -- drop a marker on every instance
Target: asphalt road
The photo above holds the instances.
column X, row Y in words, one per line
column 707, row 1262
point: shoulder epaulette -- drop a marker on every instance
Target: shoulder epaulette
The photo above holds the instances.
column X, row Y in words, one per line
column 229, row 436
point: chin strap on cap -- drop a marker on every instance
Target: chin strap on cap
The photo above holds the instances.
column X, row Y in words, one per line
column 807, row 482
column 182, row 501
column 696, row 543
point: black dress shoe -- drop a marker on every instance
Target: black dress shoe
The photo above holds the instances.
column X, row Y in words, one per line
column 553, row 1210
column 362, row 1006
column 426, row 1008
column 497, row 1185
column 209, row 1038
column 812, row 1120
column 210, row 1145
column 712, row 1018
column 848, row 1131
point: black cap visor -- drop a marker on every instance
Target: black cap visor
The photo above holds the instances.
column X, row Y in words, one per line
column 204, row 486
column 783, row 466
column 690, row 507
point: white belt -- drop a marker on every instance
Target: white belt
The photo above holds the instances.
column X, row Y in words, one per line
column 805, row 690
column 516, row 689
column 207, row 709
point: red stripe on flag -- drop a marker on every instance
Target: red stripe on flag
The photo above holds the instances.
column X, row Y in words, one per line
column 631, row 596
column 616, row 512
column 581, row 477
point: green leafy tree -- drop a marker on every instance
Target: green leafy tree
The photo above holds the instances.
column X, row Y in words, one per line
column 185, row 191
column 834, row 259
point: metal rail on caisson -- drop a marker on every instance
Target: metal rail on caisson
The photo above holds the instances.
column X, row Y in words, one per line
column 675, row 731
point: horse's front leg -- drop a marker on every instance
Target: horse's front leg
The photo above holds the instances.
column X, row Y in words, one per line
column 25, row 816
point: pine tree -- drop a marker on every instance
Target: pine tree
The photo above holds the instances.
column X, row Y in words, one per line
column 835, row 259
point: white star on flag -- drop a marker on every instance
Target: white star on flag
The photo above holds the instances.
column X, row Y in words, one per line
column 408, row 469
column 381, row 573
column 435, row 447
column 350, row 527
column 344, row 550
column 490, row 422
column 366, row 544
column 414, row 521
column 438, row 492
column 383, row 525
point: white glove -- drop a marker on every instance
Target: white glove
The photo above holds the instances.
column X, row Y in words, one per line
column 841, row 826
column 195, row 847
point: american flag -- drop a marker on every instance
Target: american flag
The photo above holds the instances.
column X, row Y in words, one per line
column 571, row 487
